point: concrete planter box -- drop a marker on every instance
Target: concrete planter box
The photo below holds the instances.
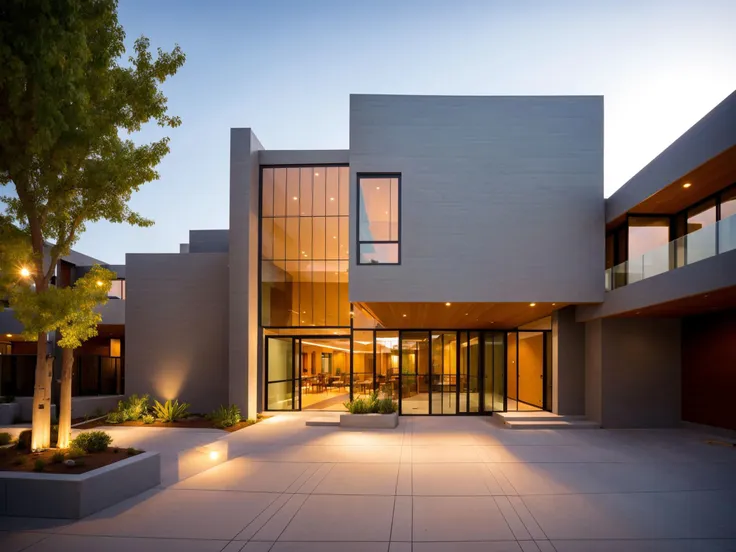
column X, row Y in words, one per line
column 9, row 412
column 370, row 421
column 74, row 496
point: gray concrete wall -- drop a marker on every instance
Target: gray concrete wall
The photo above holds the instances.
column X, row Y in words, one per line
column 698, row 278
column 304, row 157
column 113, row 312
column 633, row 372
column 176, row 342
column 568, row 363
column 713, row 134
column 243, row 388
column 208, row 241
column 502, row 197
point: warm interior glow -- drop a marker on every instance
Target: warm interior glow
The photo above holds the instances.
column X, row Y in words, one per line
column 686, row 185
column 532, row 304
column 115, row 348
column 214, row 455
column 8, row 335
column 25, row 272
column 448, row 304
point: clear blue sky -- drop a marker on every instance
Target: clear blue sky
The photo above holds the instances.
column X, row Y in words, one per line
column 286, row 69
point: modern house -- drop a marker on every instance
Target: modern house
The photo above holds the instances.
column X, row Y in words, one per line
column 459, row 257
column 98, row 378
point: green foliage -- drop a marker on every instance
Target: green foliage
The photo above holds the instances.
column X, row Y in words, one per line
column 115, row 418
column 372, row 405
column 148, row 419
column 75, row 452
column 130, row 410
column 170, row 411
column 57, row 458
column 225, row 416
column 132, row 451
column 5, row 438
column 39, row 465
column 92, row 441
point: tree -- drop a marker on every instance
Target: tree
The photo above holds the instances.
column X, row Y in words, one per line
column 66, row 101
column 80, row 323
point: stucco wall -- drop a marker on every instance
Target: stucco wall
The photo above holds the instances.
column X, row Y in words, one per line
column 177, row 328
column 501, row 198
column 568, row 363
column 633, row 372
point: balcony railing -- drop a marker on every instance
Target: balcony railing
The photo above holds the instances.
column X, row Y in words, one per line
column 702, row 244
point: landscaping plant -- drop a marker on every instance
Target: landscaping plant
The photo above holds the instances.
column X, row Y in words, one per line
column 39, row 465
column 148, row 419
column 5, row 439
column 115, row 418
column 371, row 405
column 225, row 416
column 57, row 458
column 92, row 441
column 170, row 411
column 129, row 410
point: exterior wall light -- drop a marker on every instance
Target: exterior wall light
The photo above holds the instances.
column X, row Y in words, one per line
column 24, row 272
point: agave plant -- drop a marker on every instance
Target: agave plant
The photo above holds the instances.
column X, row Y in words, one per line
column 170, row 411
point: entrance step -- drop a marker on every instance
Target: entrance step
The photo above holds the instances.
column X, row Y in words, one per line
column 320, row 421
column 542, row 420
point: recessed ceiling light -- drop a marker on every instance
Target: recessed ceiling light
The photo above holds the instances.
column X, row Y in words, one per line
column 316, row 174
column 553, row 304
column 532, row 304
column 404, row 315
column 294, row 198
column 466, row 314
column 8, row 335
column 332, row 199
column 378, row 187
column 448, row 304
column 334, row 237
column 686, row 185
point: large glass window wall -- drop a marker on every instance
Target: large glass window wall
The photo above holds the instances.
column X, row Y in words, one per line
column 305, row 247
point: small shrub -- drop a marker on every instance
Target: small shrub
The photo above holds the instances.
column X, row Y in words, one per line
column 170, row 411
column 75, row 453
column 358, row 406
column 115, row 418
column 57, row 458
column 115, row 450
column 132, row 452
column 386, row 406
column 24, row 440
column 5, row 439
column 225, row 416
column 148, row 419
column 92, row 441
column 39, row 465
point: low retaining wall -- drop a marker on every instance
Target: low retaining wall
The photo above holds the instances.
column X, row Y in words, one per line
column 51, row 495
column 370, row 421
column 9, row 413
column 81, row 406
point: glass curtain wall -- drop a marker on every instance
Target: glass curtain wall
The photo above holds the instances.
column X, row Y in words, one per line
column 305, row 247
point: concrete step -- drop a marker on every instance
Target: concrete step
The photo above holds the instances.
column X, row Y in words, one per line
column 550, row 424
column 537, row 416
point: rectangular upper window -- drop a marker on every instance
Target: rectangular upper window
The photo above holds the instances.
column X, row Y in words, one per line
column 379, row 213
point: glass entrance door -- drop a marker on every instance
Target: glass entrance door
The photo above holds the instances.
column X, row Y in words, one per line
column 444, row 373
column 283, row 373
column 494, row 372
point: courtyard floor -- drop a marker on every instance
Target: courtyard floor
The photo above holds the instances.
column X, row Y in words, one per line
column 432, row 485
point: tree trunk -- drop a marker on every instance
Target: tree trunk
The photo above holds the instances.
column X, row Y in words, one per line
column 65, row 399
column 41, row 417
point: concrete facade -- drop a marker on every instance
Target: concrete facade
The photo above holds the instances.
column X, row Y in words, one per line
column 500, row 197
column 177, row 328
column 633, row 372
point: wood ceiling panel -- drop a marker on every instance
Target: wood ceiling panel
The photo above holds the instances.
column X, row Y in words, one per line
column 708, row 179
column 459, row 315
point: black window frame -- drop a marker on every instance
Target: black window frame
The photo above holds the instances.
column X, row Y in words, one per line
column 358, row 177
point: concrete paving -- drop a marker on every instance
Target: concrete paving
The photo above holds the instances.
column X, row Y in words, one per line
column 431, row 485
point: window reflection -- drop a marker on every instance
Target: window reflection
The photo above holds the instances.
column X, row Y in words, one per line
column 304, row 246
column 378, row 220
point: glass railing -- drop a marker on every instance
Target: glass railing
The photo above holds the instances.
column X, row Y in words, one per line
column 702, row 244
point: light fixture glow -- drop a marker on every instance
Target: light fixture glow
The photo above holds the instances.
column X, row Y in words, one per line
column 686, row 185
column 332, row 199
column 99, row 283
column 448, row 304
column 378, row 187
column 8, row 335
column 532, row 304
column 294, row 198
column 214, row 455
column 403, row 315
column 25, row 272
column 316, row 174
